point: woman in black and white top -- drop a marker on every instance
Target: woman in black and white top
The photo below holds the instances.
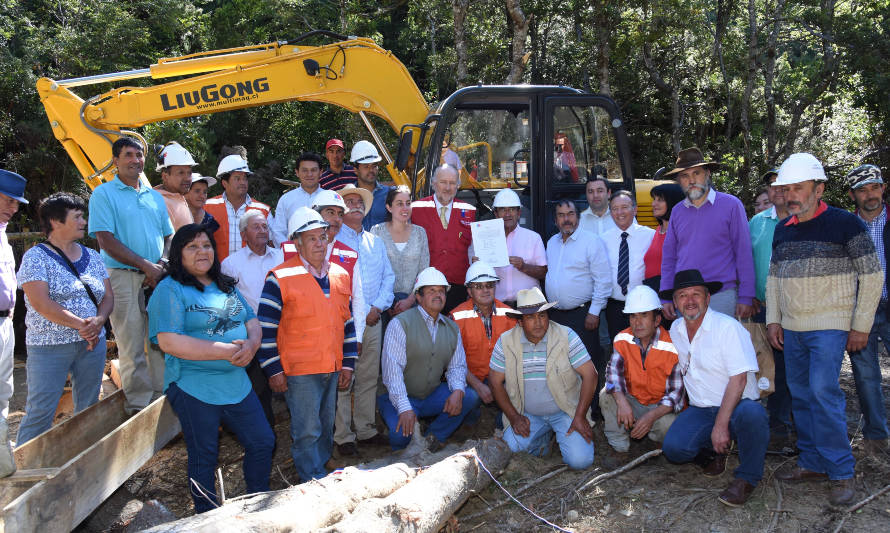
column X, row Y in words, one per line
column 68, row 298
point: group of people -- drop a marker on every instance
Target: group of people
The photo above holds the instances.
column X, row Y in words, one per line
column 220, row 303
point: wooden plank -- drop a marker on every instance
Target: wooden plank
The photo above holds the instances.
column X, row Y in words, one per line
column 30, row 476
column 84, row 482
column 68, row 439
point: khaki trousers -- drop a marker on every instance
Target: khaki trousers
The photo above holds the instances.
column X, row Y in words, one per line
column 364, row 389
column 618, row 437
column 141, row 365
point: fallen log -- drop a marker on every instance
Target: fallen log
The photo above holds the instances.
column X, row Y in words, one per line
column 340, row 502
column 428, row 501
column 306, row 507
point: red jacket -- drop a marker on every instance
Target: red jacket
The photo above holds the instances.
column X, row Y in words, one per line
column 448, row 247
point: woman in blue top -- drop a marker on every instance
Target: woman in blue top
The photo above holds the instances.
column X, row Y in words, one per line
column 68, row 299
column 208, row 335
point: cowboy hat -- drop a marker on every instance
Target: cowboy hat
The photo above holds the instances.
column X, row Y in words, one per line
column 529, row 302
column 689, row 158
column 366, row 195
column 690, row 278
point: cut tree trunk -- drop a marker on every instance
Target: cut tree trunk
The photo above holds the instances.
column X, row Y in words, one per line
column 428, row 501
column 405, row 495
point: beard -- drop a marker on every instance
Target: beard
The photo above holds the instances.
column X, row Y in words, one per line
column 692, row 317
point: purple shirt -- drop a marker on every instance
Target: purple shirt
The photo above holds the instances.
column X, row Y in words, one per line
column 713, row 239
column 7, row 272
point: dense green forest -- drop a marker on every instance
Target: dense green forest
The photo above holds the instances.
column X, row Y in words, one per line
column 749, row 82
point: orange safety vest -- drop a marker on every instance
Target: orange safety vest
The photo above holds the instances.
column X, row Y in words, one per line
column 216, row 206
column 341, row 254
column 477, row 345
column 646, row 383
column 310, row 333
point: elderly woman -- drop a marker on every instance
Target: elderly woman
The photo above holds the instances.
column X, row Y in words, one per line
column 68, row 298
column 209, row 334
column 406, row 246
column 197, row 197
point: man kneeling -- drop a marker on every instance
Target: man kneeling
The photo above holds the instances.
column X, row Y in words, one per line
column 420, row 344
column 543, row 380
column 718, row 363
column 644, row 386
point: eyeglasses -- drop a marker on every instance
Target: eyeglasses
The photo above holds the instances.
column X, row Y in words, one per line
column 486, row 285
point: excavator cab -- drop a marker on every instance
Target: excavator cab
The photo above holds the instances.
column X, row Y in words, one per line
column 544, row 142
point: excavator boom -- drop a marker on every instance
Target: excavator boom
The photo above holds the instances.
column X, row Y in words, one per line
column 355, row 74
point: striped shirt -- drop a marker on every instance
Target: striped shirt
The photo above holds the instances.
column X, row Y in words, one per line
column 269, row 315
column 673, row 392
column 334, row 181
column 538, row 399
column 377, row 274
column 395, row 358
column 876, row 232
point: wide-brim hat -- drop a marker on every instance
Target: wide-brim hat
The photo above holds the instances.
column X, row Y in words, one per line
column 766, row 175
column 366, row 195
column 690, row 158
column 13, row 185
column 529, row 302
column 690, row 278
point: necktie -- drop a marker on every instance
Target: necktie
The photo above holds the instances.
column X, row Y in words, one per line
column 442, row 217
column 623, row 263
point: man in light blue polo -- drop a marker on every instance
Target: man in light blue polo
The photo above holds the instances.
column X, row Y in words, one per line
column 130, row 221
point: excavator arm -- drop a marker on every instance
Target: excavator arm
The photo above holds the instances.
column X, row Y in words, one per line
column 354, row 74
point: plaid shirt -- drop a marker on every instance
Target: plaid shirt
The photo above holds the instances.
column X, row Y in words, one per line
column 876, row 232
column 674, row 395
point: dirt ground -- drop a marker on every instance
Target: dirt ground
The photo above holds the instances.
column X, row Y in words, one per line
column 655, row 496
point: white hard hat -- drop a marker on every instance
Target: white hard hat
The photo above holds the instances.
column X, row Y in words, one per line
column 798, row 168
column 174, row 154
column 326, row 198
column 506, row 198
column 232, row 163
column 480, row 272
column 641, row 299
column 364, row 152
column 211, row 181
column 429, row 276
column 304, row 219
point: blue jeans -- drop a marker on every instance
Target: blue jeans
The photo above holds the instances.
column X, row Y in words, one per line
column 778, row 404
column 443, row 425
column 312, row 402
column 867, row 374
column 200, row 427
column 576, row 452
column 813, row 366
column 47, row 368
column 691, row 433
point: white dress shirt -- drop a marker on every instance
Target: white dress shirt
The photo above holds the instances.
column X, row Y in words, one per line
column 578, row 272
column 590, row 221
column 287, row 204
column 638, row 240
column 250, row 270
column 720, row 349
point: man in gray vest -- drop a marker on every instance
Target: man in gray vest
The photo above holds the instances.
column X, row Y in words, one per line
column 420, row 345
column 543, row 380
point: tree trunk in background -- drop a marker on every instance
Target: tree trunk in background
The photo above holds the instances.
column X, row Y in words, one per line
column 518, row 57
column 459, row 8
column 668, row 90
column 603, row 26
column 751, row 74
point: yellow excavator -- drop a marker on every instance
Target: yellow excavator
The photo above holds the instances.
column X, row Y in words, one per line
column 543, row 141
